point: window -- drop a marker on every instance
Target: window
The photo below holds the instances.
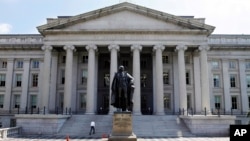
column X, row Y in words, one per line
column 106, row 80
column 187, row 59
column 62, row 76
column 63, row 59
column 106, row 64
column 234, row 103
column 1, row 101
column 248, row 81
column 165, row 59
column 18, row 80
column 35, row 64
column 247, row 63
column 16, row 101
column 248, row 102
column 232, row 80
column 19, row 64
column 84, row 76
column 34, row 80
column 61, row 99
column 187, row 78
column 33, row 101
column 232, row 64
column 217, row 102
column 166, row 78
column 4, row 64
column 143, row 64
column 216, row 79
column 167, row 102
column 143, row 80
column 2, row 80
column 82, row 101
column 215, row 64
column 84, row 59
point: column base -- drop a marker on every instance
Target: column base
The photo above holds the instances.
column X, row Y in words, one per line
column 89, row 113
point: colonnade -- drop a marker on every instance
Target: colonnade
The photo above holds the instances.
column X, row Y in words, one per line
column 135, row 49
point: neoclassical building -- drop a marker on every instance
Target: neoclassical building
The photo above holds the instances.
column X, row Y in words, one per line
column 176, row 61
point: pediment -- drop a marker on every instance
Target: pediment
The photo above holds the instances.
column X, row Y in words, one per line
column 124, row 17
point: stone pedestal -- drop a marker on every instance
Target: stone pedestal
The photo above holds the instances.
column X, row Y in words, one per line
column 122, row 129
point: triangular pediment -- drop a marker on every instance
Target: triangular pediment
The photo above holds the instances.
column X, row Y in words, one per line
column 124, row 17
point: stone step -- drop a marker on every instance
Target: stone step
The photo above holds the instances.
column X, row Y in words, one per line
column 143, row 126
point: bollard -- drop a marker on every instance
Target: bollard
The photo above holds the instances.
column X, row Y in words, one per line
column 205, row 111
column 44, row 110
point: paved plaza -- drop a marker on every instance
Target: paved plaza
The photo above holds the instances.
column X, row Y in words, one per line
column 78, row 138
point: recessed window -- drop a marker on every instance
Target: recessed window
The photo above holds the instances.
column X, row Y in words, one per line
column 234, row 102
column 64, row 59
column 188, row 78
column 34, row 80
column 187, row 59
column 35, row 64
column 232, row 80
column 217, row 102
column 19, row 64
column 85, row 59
column 248, row 81
column 33, row 101
column 232, row 64
column 18, row 80
column 4, row 64
column 2, row 80
column 166, row 78
column 216, row 79
column 247, row 64
column 84, row 77
column 215, row 64
column 165, row 59
column 62, row 76
column 1, row 101
column 16, row 101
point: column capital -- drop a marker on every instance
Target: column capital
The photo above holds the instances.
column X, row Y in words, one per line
column 159, row 46
column 204, row 47
column 113, row 46
column 181, row 47
column 136, row 47
column 47, row 47
column 91, row 46
column 69, row 47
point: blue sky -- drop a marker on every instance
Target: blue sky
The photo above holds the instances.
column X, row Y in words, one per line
column 23, row 16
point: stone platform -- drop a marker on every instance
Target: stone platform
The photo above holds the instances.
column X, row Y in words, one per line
column 122, row 127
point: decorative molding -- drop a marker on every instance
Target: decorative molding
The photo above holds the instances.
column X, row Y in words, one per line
column 47, row 47
column 159, row 46
column 136, row 47
column 69, row 47
column 204, row 47
column 91, row 47
column 114, row 46
column 181, row 47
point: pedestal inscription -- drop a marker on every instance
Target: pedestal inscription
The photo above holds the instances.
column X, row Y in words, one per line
column 122, row 127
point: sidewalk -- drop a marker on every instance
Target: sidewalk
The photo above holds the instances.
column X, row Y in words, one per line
column 78, row 138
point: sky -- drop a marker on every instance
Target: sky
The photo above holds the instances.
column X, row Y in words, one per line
column 23, row 16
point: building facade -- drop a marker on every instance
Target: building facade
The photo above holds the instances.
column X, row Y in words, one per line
column 177, row 63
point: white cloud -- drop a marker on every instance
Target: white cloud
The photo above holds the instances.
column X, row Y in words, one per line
column 5, row 28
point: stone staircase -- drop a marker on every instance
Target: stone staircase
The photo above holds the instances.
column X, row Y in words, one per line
column 143, row 126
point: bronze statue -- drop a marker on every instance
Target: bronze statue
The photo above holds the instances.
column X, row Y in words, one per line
column 122, row 90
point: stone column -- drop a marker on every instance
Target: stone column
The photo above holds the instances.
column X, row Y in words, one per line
column 46, row 77
column 137, row 79
column 243, row 86
column 197, row 83
column 182, row 77
column 91, row 79
column 205, row 94
column 25, row 83
column 9, row 78
column 113, row 69
column 226, row 85
column 68, row 77
column 159, row 80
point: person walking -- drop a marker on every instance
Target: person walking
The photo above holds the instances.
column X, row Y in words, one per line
column 92, row 128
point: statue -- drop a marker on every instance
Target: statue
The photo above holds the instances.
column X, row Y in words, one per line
column 122, row 90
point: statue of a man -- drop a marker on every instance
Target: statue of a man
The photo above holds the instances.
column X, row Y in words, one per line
column 122, row 90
